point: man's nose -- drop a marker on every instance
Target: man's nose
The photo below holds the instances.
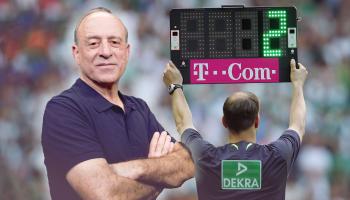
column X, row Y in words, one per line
column 105, row 50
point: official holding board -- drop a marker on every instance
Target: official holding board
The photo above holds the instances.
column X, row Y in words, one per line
column 241, row 169
column 237, row 45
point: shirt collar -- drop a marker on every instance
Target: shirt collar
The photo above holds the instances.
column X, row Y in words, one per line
column 98, row 101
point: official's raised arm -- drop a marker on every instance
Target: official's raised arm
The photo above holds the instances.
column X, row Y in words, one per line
column 181, row 112
column 297, row 117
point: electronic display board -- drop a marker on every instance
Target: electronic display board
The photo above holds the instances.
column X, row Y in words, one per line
column 233, row 44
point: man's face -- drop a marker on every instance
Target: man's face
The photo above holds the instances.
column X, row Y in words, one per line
column 102, row 51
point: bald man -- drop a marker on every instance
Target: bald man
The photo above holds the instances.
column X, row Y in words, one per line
column 241, row 169
column 99, row 143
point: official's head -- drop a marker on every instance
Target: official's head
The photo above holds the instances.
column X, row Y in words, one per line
column 241, row 112
column 101, row 47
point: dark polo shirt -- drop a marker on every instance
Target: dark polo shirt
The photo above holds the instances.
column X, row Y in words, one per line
column 277, row 159
column 79, row 124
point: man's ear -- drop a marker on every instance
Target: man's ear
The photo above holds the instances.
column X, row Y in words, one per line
column 257, row 121
column 75, row 53
column 224, row 122
column 128, row 50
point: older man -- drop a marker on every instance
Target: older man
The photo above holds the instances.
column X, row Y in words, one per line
column 99, row 143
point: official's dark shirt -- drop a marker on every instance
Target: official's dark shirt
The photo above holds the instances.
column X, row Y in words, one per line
column 79, row 124
column 277, row 159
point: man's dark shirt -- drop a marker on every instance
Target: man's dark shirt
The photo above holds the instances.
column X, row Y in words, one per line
column 79, row 124
column 277, row 159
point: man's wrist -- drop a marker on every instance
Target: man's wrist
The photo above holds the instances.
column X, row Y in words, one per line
column 130, row 169
column 142, row 169
column 297, row 85
column 174, row 86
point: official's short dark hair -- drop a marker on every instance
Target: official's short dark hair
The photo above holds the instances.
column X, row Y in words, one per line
column 94, row 10
column 240, row 110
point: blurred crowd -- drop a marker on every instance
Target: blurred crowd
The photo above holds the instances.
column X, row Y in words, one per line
column 36, row 64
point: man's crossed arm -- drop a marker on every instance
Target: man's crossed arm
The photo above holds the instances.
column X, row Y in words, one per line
column 137, row 179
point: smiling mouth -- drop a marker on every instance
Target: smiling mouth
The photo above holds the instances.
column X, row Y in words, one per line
column 106, row 64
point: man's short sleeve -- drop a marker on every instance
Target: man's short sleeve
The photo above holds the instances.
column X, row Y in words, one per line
column 194, row 141
column 288, row 146
column 67, row 137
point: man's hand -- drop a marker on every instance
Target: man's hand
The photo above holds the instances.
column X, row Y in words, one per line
column 160, row 145
column 171, row 74
column 297, row 76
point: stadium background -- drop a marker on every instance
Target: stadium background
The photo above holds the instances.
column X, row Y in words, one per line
column 36, row 63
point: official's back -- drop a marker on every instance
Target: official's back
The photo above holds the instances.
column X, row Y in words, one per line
column 276, row 161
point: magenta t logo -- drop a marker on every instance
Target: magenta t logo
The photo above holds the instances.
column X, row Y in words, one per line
column 244, row 70
column 198, row 70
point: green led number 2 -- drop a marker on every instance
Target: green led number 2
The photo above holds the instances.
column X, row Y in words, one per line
column 281, row 15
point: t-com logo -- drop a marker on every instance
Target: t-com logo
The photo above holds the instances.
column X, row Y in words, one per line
column 240, row 174
column 245, row 70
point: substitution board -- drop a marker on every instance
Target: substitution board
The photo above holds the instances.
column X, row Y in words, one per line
column 233, row 44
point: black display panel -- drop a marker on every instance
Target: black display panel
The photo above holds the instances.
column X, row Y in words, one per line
column 233, row 45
